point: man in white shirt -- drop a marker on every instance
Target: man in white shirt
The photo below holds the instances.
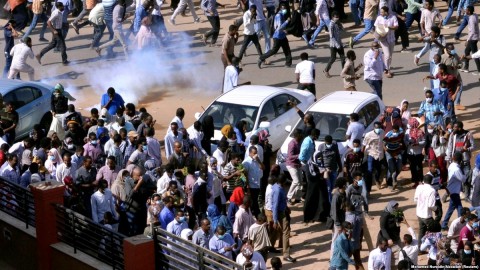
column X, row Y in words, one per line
column 102, row 202
column 230, row 80
column 67, row 168
column 410, row 248
column 179, row 115
column 55, row 24
column 456, row 178
column 249, row 34
column 455, row 227
column 425, row 197
column 380, row 258
column 373, row 148
column 355, row 129
column 305, row 74
column 20, row 53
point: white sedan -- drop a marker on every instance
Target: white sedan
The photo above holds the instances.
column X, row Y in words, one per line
column 259, row 106
column 331, row 115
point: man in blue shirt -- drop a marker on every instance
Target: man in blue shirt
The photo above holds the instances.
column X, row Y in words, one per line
column 279, row 38
column 112, row 101
column 9, row 34
column 254, row 170
column 167, row 215
column 432, row 109
column 280, row 212
column 342, row 248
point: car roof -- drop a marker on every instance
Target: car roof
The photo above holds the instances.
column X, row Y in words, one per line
column 7, row 85
column 342, row 102
column 252, row 95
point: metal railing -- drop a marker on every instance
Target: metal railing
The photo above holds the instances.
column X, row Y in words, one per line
column 89, row 237
column 173, row 252
column 17, row 201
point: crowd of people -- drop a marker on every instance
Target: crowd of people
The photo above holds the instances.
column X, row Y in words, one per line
column 231, row 200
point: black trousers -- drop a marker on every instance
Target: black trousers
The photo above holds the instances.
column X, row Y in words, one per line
column 215, row 22
column 424, row 225
column 310, row 87
column 470, row 49
column 333, row 57
column 59, row 40
column 402, row 33
column 246, row 40
column 277, row 43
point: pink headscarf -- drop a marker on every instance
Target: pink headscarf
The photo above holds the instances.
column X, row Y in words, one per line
column 415, row 132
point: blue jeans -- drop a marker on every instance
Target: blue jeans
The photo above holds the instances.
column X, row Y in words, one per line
column 33, row 24
column 455, row 203
column 376, row 86
column 261, row 26
column 459, row 94
column 323, row 23
column 394, row 168
column 8, row 64
column 331, row 184
column 462, row 26
column 368, row 27
column 372, row 165
column 449, row 15
column 411, row 18
column 356, row 11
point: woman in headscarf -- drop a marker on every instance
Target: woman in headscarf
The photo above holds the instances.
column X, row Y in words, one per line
column 216, row 179
column 208, row 133
column 216, row 218
column 390, row 227
column 468, row 255
column 415, row 141
column 54, row 159
column 240, row 129
column 230, row 138
column 235, row 201
column 404, row 111
column 263, row 135
column 121, row 191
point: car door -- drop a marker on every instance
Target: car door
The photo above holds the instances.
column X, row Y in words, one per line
column 23, row 100
column 285, row 115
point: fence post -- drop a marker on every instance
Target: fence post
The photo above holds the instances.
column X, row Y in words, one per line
column 45, row 194
column 139, row 253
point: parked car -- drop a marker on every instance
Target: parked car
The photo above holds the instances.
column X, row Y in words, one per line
column 331, row 115
column 259, row 106
column 32, row 102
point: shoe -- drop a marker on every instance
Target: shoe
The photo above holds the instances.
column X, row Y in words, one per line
column 42, row 39
column 475, row 73
column 204, row 39
column 99, row 51
column 39, row 58
column 464, row 70
column 171, row 21
column 304, row 37
column 66, row 63
column 405, row 50
column 75, row 27
column 350, row 43
column 460, row 107
column 379, row 185
column 447, row 27
column 456, row 39
column 290, row 259
column 197, row 20
column 389, row 75
column 293, row 202
column 259, row 63
column 311, row 46
column 327, row 74
column 445, row 228
column 288, row 65
column 416, row 60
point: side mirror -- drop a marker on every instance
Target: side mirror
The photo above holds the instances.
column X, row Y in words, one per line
column 197, row 115
column 264, row 124
column 288, row 128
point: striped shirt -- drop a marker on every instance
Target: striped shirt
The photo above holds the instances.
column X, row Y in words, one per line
column 56, row 19
column 335, row 39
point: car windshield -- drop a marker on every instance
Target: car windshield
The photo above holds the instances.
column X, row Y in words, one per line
column 227, row 113
column 329, row 124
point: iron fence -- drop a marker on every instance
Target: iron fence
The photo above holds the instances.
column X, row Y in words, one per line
column 173, row 252
column 17, row 201
column 89, row 237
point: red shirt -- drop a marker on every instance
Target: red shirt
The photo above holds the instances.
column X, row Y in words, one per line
column 466, row 234
column 452, row 83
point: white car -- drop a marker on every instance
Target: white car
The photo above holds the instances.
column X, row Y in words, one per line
column 331, row 115
column 259, row 106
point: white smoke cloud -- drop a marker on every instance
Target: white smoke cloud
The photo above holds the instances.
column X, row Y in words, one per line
column 145, row 74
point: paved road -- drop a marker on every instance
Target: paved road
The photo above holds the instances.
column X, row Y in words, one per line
column 189, row 74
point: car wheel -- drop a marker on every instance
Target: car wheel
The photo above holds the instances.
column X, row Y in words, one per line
column 46, row 121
